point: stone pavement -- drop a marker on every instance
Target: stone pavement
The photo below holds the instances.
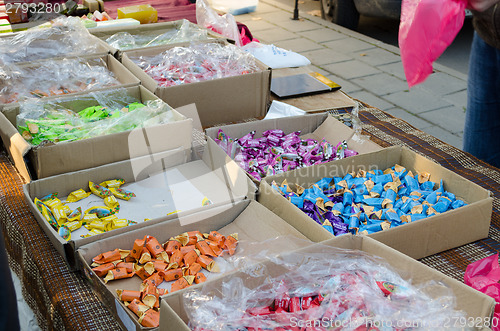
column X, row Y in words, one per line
column 367, row 69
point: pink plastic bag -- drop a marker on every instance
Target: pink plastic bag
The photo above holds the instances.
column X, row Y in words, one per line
column 427, row 28
column 483, row 275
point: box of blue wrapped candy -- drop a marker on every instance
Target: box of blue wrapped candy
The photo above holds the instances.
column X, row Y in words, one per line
column 394, row 195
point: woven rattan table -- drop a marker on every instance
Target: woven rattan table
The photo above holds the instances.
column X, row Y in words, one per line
column 62, row 299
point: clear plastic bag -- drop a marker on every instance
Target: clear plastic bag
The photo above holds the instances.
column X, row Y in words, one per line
column 320, row 286
column 53, row 77
column 66, row 37
column 224, row 25
column 427, row 28
column 196, row 63
column 86, row 116
column 186, row 32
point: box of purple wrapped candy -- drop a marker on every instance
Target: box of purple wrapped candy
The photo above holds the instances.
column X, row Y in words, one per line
column 395, row 195
column 269, row 147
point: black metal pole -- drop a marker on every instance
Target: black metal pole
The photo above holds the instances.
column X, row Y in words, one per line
column 296, row 11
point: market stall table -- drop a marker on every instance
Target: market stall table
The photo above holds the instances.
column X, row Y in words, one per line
column 62, row 299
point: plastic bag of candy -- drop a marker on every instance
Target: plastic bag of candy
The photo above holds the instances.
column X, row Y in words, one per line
column 86, row 116
column 185, row 32
column 66, row 37
column 197, row 62
column 320, row 288
column 53, row 77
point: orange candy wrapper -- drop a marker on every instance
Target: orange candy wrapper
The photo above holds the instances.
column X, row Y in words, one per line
column 154, row 246
column 182, row 283
column 106, row 257
column 190, row 257
column 118, row 273
column 171, row 246
column 150, row 319
column 185, row 249
column 138, row 307
column 194, row 269
column 129, row 266
column 217, row 237
column 200, row 278
column 172, row 274
column 103, row 269
column 159, row 265
column 218, row 250
column 150, row 295
column 155, row 279
column 204, row 248
column 176, row 257
column 231, row 243
column 207, row 263
column 128, row 295
column 137, row 249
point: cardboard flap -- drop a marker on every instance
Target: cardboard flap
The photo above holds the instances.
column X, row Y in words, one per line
column 16, row 146
column 228, row 171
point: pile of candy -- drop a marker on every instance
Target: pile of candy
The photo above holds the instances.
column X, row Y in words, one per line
column 95, row 219
column 65, row 125
column 180, row 260
column 326, row 290
column 52, row 77
column 196, row 63
column 372, row 201
column 186, row 32
column 277, row 152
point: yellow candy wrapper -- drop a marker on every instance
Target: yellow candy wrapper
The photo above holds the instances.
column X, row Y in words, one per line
column 206, row 202
column 53, row 203
column 64, row 233
column 49, row 197
column 73, row 226
column 119, row 223
column 109, row 219
column 91, row 233
column 77, row 195
column 122, row 194
column 46, row 213
column 76, row 215
column 113, row 183
column 100, row 211
column 59, row 213
column 97, row 225
column 99, row 190
column 112, row 203
column 88, row 218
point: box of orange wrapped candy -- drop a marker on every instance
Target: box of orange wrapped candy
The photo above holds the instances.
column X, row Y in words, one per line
column 131, row 271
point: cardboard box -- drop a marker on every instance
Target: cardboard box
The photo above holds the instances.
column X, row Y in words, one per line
column 154, row 28
column 213, row 174
column 48, row 160
column 249, row 219
column 417, row 239
column 317, row 126
column 476, row 304
column 224, row 100
column 125, row 78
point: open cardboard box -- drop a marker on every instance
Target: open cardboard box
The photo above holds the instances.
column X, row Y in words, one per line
column 315, row 126
column 224, row 100
column 49, row 160
column 476, row 304
column 213, row 175
column 156, row 29
column 252, row 222
column 417, row 239
column 124, row 77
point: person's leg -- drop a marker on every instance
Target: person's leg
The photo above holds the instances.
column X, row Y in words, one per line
column 482, row 122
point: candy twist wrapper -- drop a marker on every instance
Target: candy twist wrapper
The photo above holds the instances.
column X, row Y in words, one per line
column 369, row 202
column 319, row 288
column 186, row 32
column 427, row 28
column 196, row 63
column 53, row 77
column 66, row 37
column 484, row 276
column 180, row 261
column 276, row 152
column 116, row 111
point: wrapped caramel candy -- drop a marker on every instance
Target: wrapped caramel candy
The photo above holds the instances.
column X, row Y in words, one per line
column 128, row 295
column 77, row 195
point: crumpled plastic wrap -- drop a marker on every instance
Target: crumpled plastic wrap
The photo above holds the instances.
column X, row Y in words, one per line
column 112, row 111
column 196, row 63
column 320, row 287
column 66, row 37
column 224, row 25
column 186, row 32
column 53, row 77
